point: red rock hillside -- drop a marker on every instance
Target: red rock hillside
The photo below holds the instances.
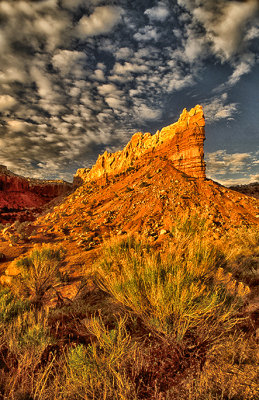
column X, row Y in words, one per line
column 21, row 197
column 148, row 184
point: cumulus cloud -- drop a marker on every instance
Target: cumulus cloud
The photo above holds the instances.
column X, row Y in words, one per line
column 6, row 102
column 72, row 4
column 101, row 21
column 147, row 33
column 254, row 178
column 127, row 67
column 147, row 113
column 241, row 69
column 252, row 33
column 220, row 162
column 67, row 61
column 225, row 23
column 238, row 181
column 160, row 12
column 217, row 109
column 17, row 125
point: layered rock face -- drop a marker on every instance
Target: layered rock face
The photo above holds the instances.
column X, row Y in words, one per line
column 181, row 143
column 20, row 196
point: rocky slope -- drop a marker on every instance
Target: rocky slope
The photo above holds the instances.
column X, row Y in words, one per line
column 21, row 198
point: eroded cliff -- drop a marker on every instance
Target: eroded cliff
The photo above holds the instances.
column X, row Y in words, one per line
column 21, row 197
column 181, row 143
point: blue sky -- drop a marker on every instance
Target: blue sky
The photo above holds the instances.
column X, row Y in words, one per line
column 78, row 77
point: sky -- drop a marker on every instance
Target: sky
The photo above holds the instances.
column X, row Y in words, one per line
column 78, row 77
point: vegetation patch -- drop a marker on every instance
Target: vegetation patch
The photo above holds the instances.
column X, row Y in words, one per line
column 150, row 322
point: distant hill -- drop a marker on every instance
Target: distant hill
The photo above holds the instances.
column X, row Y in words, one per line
column 252, row 189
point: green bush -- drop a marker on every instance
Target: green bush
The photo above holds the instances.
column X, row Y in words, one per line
column 39, row 271
column 175, row 294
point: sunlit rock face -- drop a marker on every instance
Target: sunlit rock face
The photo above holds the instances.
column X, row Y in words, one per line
column 181, row 142
column 21, row 197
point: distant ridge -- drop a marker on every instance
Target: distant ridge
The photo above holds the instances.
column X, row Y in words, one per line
column 251, row 189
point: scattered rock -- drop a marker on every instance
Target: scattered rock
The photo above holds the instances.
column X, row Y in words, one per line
column 163, row 231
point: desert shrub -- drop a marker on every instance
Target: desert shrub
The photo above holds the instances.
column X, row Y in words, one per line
column 39, row 271
column 98, row 371
column 22, row 230
column 167, row 325
column 30, row 332
column 175, row 294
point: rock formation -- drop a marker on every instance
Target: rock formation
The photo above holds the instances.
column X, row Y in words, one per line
column 18, row 195
column 181, row 143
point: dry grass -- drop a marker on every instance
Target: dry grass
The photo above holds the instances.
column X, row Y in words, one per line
column 241, row 247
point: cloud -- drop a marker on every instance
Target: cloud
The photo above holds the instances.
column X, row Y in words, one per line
column 72, row 4
column 101, row 21
column 225, row 23
column 217, row 109
column 147, row 113
column 70, row 62
column 195, row 48
column 240, row 70
column 17, row 125
column 254, row 178
column 124, row 53
column 252, row 33
column 147, row 33
column 127, row 67
column 238, row 181
column 6, row 102
column 160, row 12
column 230, row 169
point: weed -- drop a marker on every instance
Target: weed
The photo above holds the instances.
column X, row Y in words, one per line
column 39, row 271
